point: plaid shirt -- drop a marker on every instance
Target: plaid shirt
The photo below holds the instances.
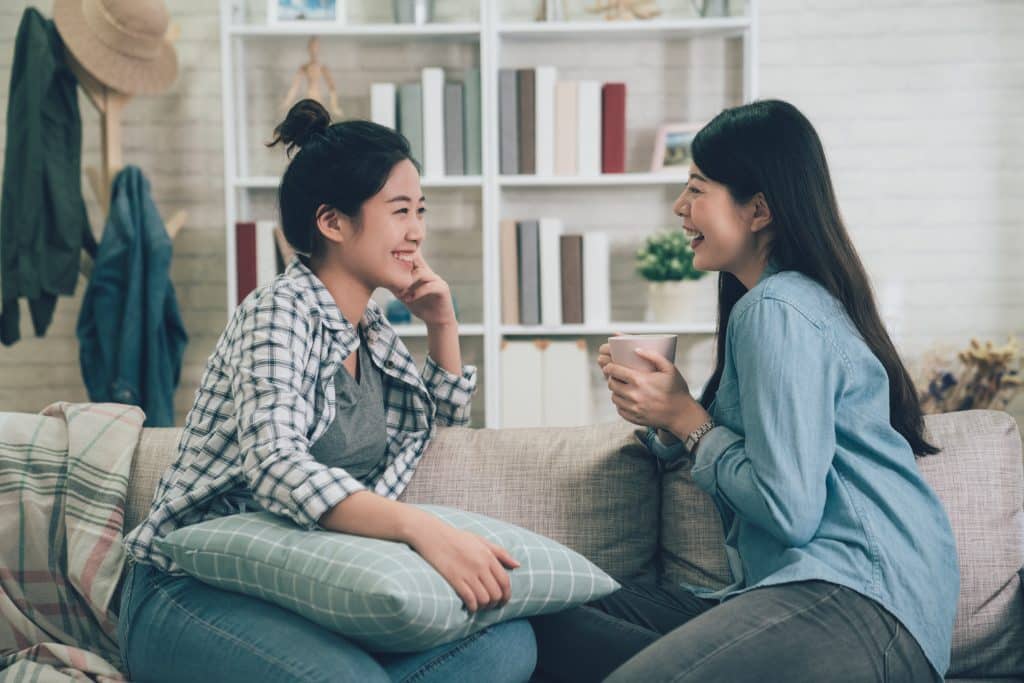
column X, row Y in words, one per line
column 268, row 393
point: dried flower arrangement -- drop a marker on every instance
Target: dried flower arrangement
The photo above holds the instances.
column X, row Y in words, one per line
column 982, row 376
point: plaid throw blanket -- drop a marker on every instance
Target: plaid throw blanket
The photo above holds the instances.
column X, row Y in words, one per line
column 63, row 485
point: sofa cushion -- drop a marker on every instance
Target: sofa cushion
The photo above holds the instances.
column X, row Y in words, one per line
column 979, row 477
column 692, row 538
column 381, row 594
column 595, row 489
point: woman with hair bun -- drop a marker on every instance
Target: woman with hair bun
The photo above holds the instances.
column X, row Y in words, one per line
column 311, row 408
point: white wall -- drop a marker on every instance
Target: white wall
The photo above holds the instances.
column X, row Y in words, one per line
column 920, row 106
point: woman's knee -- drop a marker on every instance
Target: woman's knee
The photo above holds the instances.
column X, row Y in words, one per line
column 511, row 650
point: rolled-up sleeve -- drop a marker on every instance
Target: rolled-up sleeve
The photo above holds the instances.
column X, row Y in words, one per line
column 668, row 457
column 452, row 394
column 272, row 408
column 774, row 473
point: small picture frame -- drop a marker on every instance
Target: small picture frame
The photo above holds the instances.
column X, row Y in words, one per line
column 672, row 147
column 311, row 12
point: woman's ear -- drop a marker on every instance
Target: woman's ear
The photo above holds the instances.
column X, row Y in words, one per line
column 762, row 213
column 332, row 224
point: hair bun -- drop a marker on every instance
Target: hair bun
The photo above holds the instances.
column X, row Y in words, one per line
column 305, row 119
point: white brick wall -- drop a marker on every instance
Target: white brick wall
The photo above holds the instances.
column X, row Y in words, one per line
column 920, row 106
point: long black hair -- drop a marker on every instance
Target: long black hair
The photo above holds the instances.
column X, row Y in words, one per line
column 338, row 165
column 770, row 147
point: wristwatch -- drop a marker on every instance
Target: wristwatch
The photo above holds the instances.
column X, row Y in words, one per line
column 694, row 437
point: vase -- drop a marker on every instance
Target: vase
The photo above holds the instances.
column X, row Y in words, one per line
column 673, row 301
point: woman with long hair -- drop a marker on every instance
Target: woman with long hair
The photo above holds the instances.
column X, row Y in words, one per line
column 843, row 560
column 312, row 408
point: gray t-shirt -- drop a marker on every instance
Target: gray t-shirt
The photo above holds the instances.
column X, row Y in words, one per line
column 356, row 439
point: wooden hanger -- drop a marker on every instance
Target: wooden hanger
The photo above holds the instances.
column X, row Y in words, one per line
column 110, row 104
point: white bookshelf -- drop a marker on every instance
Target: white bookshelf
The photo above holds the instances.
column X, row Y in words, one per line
column 500, row 43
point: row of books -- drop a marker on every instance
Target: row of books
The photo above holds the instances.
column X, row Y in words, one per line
column 546, row 383
column 261, row 252
column 439, row 117
column 549, row 127
column 552, row 278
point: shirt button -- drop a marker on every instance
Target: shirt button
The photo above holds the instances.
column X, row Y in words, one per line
column 390, row 364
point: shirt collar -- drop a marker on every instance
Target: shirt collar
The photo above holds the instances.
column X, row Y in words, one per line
column 332, row 316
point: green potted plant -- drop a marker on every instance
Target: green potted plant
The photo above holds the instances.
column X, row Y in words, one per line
column 666, row 262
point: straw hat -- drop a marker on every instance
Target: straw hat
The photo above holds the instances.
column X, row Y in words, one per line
column 120, row 42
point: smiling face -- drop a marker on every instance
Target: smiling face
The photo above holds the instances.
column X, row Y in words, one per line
column 378, row 249
column 725, row 235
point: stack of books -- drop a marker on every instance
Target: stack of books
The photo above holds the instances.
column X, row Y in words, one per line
column 261, row 253
column 440, row 117
column 549, row 127
column 551, row 278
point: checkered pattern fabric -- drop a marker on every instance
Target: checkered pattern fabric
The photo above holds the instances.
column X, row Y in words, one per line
column 64, row 479
column 268, row 393
column 380, row 594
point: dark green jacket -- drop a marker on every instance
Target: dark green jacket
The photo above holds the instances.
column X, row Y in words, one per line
column 42, row 216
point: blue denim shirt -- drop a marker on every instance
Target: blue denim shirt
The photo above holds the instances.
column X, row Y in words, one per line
column 130, row 333
column 810, row 478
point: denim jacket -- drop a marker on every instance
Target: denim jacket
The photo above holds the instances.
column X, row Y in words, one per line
column 811, row 480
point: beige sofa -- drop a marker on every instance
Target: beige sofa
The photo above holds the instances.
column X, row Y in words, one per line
column 597, row 490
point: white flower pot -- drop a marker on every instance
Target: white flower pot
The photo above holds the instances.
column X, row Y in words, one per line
column 673, row 301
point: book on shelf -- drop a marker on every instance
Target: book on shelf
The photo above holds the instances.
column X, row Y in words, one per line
column 245, row 259
column 551, row 230
column 526, row 87
column 257, row 257
column 613, row 128
column 544, row 125
column 588, row 140
column 528, row 233
column 545, row 384
column 508, row 120
column 410, row 117
column 473, row 119
column 571, row 252
column 454, row 128
column 566, row 119
column 383, row 104
column 509, row 273
column 433, row 122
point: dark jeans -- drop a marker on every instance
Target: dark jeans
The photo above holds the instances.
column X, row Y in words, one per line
column 652, row 630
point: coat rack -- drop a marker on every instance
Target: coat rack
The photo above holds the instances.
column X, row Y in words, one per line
column 110, row 104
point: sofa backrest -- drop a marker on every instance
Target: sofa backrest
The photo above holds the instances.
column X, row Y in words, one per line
column 595, row 489
column 979, row 476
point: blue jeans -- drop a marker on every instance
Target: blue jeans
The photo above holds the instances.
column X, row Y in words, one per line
column 176, row 628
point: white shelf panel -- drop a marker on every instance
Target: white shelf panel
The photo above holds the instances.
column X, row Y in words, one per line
column 610, row 329
column 604, row 180
column 421, row 330
column 727, row 26
column 271, row 182
column 469, row 31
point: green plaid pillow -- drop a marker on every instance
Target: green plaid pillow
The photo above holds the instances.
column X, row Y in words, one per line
column 380, row 594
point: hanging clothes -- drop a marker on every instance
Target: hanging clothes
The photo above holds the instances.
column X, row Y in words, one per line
column 42, row 218
column 130, row 333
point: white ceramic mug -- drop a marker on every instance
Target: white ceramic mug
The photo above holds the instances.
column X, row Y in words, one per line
column 624, row 348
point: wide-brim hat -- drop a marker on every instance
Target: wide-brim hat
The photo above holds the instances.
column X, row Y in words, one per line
column 122, row 43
